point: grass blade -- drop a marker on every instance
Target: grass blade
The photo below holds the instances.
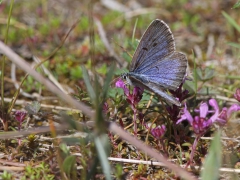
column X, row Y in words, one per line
column 231, row 21
column 102, row 146
column 87, row 81
column 213, row 160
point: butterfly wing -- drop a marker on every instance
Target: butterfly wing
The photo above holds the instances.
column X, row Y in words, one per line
column 156, row 89
column 156, row 43
column 167, row 73
column 156, row 60
column 156, row 65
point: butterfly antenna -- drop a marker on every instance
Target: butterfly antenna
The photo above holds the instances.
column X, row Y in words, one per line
column 113, row 81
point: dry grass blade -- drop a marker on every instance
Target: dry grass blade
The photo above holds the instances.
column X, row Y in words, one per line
column 105, row 41
column 26, row 67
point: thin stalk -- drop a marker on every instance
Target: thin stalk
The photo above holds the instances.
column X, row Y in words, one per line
column 194, row 146
column 195, row 76
column 134, row 30
column 4, row 62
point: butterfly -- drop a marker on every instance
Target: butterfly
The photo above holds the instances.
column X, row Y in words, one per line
column 156, row 65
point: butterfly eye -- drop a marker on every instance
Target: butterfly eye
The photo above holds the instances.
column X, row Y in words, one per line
column 124, row 76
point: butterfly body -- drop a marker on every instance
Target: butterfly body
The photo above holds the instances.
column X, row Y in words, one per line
column 156, row 66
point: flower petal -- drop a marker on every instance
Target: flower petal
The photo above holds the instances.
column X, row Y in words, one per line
column 222, row 118
column 158, row 131
column 121, row 84
column 185, row 116
column 20, row 115
column 233, row 108
column 203, row 110
column 214, row 104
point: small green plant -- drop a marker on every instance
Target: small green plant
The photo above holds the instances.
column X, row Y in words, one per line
column 41, row 171
column 6, row 176
column 62, row 68
column 76, row 72
column 102, row 70
column 30, row 84
column 119, row 171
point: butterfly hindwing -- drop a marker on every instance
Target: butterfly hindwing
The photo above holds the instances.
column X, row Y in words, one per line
column 156, row 89
column 169, row 72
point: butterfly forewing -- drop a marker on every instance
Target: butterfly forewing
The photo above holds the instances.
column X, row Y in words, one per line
column 156, row 43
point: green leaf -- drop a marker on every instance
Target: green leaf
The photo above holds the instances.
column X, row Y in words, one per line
column 108, row 81
column 68, row 164
column 113, row 92
column 190, row 86
column 87, row 81
column 64, row 148
column 102, row 146
column 209, row 73
column 237, row 5
column 119, row 171
column 213, row 160
column 102, row 70
column 236, row 45
column 231, row 21
column 206, row 74
column 199, row 74
column 76, row 72
column 119, row 71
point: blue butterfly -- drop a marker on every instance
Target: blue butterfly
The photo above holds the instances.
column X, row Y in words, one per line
column 156, row 66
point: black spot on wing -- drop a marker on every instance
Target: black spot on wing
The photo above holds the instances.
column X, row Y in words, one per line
column 146, row 49
column 154, row 44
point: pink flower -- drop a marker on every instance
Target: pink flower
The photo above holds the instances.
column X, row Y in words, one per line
column 226, row 114
column 134, row 97
column 121, row 84
column 20, row 115
column 158, row 131
column 203, row 121
column 199, row 123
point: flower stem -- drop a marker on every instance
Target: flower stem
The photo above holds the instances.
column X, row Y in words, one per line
column 194, row 146
column 135, row 121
